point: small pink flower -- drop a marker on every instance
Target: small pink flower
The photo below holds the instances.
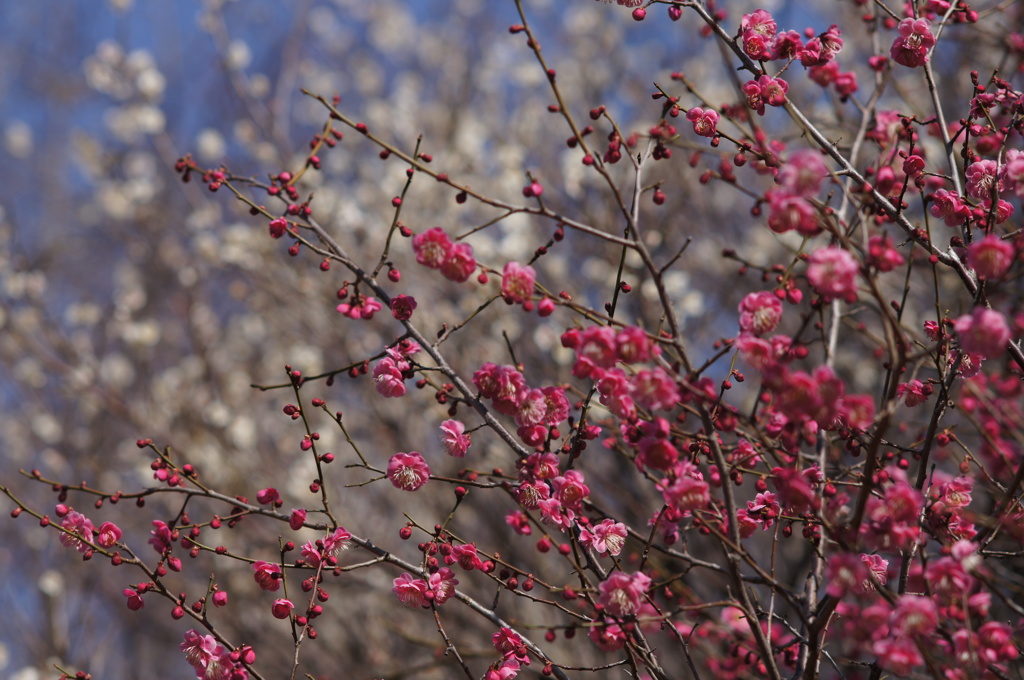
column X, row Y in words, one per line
column 387, row 378
column 402, row 307
column 983, row 332
column 282, row 608
column 705, row 122
column 108, row 535
column 267, row 575
column 81, row 531
column 915, row 39
column 622, row 593
column 833, row 273
column 297, row 519
column 408, row 471
column 608, row 537
column 991, row 257
column 411, row 591
column 982, row 180
column 220, row 598
column 760, row 313
column 454, row 439
column 569, row 489
column 312, row 554
column 507, row 641
column 338, row 541
column 442, row 584
column 432, row 247
column 517, row 282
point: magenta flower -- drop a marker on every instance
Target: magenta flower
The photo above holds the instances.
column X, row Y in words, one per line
column 460, row 264
column 983, row 332
column 705, row 122
column 408, row 471
column 411, row 591
column 802, row 173
column 517, row 282
column 622, row 593
column 442, row 585
column 915, row 39
column 337, row 542
column 108, row 535
column 991, row 257
column 267, row 575
column 454, row 439
column 80, row 528
column 608, row 537
column 402, row 307
column 760, row 313
column 833, row 273
column 432, row 247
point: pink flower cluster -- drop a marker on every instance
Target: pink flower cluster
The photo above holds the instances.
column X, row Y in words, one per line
column 389, row 373
column 435, row 250
column 361, row 307
column 212, row 661
column 417, row 592
column 537, row 411
column 79, row 531
column 510, row 645
column 799, row 179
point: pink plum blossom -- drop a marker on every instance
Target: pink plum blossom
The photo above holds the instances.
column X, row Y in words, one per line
column 408, row 471
column 606, row 537
column 760, row 313
column 432, row 247
column 517, row 282
column 983, row 332
column 991, row 257
column 705, row 121
column 622, row 593
column 833, row 273
column 915, row 39
column 454, row 439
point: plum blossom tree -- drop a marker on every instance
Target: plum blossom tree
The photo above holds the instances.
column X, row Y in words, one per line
column 647, row 441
